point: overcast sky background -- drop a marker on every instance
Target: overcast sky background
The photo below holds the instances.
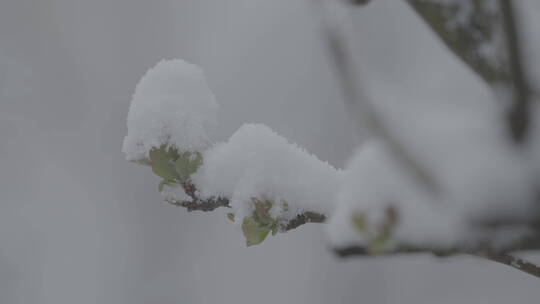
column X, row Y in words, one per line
column 79, row 224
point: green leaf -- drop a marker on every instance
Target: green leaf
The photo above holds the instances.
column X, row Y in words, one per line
column 172, row 153
column 379, row 245
column 262, row 213
column 182, row 167
column 285, row 206
column 381, row 241
column 187, row 163
column 161, row 165
column 253, row 231
column 274, row 228
column 230, row 216
column 359, row 221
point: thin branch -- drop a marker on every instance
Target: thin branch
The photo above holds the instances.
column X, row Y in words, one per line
column 197, row 203
column 514, row 262
column 480, row 27
column 481, row 247
column 362, row 251
column 210, row 204
column 304, row 218
column 466, row 27
column 340, row 51
column 499, row 257
column 359, row 2
column 518, row 117
column 201, row 205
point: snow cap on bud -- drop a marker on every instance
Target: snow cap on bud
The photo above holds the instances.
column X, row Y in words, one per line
column 172, row 106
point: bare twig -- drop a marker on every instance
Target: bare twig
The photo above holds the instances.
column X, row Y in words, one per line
column 499, row 257
column 196, row 203
column 481, row 246
column 304, row 218
column 200, row 205
column 360, row 251
column 359, row 2
column 518, row 117
column 515, row 262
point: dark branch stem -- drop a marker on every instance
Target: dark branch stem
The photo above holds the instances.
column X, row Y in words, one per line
column 502, row 258
column 196, row 203
column 201, row 205
column 483, row 247
column 205, row 205
column 304, row 218
column 518, row 118
column 515, row 262
column 500, row 255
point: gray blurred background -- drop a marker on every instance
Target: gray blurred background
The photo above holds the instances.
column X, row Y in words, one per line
column 79, row 224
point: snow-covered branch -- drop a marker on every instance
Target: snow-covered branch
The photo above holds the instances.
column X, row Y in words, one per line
column 457, row 187
column 268, row 183
column 514, row 262
column 262, row 177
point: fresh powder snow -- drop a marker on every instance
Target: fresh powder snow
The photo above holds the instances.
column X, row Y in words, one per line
column 172, row 105
column 258, row 163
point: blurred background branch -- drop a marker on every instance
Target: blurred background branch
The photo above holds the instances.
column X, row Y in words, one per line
column 485, row 34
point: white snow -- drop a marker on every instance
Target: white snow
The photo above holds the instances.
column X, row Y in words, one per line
column 174, row 193
column 172, row 105
column 465, row 148
column 373, row 182
column 258, row 163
